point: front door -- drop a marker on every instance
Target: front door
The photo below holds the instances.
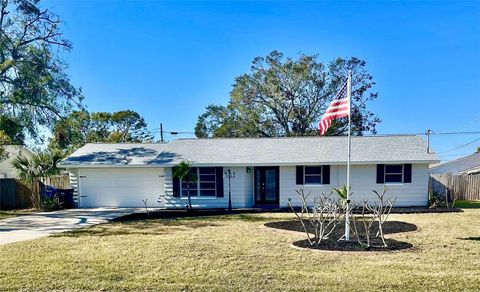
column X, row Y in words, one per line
column 266, row 185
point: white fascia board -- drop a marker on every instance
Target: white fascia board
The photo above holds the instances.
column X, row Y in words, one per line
column 250, row 164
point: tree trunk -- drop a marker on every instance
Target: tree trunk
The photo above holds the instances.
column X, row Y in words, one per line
column 188, row 195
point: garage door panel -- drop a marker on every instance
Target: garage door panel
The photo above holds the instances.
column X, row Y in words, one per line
column 120, row 187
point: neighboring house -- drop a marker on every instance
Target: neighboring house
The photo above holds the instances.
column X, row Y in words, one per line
column 471, row 171
column 465, row 165
column 6, row 168
column 268, row 171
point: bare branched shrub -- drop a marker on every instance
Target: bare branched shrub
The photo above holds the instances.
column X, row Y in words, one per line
column 146, row 206
column 376, row 214
column 319, row 216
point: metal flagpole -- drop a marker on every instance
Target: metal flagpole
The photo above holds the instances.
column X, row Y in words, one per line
column 347, row 213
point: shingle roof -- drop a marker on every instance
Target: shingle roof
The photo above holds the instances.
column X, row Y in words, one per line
column 256, row 151
column 459, row 165
column 114, row 154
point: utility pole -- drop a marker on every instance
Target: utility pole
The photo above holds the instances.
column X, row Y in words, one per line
column 428, row 140
column 161, row 133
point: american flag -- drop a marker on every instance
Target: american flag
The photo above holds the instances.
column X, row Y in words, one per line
column 338, row 108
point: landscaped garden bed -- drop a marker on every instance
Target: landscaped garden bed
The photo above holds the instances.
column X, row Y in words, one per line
column 332, row 243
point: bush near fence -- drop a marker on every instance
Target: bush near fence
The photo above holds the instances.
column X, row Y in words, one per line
column 460, row 187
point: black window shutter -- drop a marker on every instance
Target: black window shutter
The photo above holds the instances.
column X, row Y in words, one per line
column 299, row 174
column 407, row 173
column 176, row 184
column 219, row 175
column 326, row 174
column 380, row 173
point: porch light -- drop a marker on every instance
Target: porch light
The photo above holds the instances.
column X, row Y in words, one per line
column 228, row 173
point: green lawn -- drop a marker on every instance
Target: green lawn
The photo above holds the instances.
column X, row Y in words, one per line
column 236, row 253
column 467, row 204
column 13, row 213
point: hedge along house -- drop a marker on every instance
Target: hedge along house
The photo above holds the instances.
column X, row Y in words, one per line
column 268, row 171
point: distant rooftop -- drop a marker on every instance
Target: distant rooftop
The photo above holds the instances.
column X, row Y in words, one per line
column 465, row 164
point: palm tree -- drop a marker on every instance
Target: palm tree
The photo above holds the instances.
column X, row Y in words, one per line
column 183, row 171
column 40, row 166
column 47, row 162
column 28, row 173
column 342, row 193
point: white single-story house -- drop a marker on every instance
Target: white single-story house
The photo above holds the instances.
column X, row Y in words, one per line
column 268, row 171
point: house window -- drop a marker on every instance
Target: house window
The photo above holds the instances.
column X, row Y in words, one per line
column 312, row 175
column 207, row 181
column 394, row 173
column 205, row 186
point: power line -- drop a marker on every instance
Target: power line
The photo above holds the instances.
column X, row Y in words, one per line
column 424, row 133
column 461, row 146
column 450, row 155
column 456, row 133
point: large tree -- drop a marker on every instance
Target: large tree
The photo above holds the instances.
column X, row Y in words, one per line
column 35, row 91
column 4, row 140
column 82, row 127
column 13, row 130
column 286, row 97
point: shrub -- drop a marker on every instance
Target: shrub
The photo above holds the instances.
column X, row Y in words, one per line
column 50, row 204
column 319, row 216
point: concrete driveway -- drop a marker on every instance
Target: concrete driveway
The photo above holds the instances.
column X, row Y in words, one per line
column 28, row 227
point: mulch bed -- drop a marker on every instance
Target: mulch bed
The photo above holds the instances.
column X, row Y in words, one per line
column 332, row 243
column 417, row 210
column 183, row 213
column 412, row 210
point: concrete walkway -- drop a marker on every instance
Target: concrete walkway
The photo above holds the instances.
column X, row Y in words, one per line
column 28, row 227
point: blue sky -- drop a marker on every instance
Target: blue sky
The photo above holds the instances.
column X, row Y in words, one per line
column 168, row 60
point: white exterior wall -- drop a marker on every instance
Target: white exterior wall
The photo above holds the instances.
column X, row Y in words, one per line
column 127, row 182
column 240, row 192
column 73, row 176
column 363, row 181
column 249, row 190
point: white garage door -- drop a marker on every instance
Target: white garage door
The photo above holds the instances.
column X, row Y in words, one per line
column 125, row 187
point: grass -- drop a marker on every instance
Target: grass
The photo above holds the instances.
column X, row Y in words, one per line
column 465, row 204
column 14, row 213
column 235, row 252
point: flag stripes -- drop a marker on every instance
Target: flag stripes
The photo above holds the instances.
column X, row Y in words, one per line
column 338, row 108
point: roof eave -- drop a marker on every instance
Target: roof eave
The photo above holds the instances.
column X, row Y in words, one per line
column 206, row 164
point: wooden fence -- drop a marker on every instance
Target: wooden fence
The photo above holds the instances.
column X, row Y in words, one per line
column 61, row 181
column 14, row 195
column 461, row 187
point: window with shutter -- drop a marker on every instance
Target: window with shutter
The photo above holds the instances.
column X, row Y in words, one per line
column 393, row 173
column 380, row 173
column 176, row 184
column 314, row 175
column 396, row 173
column 299, row 174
